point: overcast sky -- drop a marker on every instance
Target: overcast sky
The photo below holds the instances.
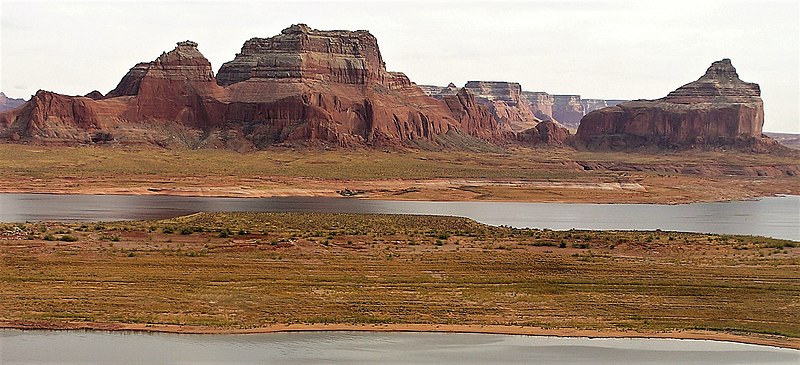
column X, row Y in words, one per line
column 598, row 49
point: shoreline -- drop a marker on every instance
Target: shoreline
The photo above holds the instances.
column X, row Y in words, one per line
column 706, row 335
column 300, row 193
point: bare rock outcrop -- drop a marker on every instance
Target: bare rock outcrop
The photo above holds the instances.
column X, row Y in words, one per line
column 541, row 104
column 300, row 52
column 332, row 86
column 95, row 95
column 547, row 132
column 439, row 91
column 506, row 101
column 718, row 109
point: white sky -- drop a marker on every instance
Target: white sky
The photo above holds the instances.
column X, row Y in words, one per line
column 598, row 49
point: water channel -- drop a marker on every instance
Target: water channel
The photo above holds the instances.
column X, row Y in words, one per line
column 777, row 217
column 95, row 348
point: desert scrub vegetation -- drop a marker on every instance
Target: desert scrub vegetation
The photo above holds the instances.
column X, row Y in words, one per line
column 243, row 270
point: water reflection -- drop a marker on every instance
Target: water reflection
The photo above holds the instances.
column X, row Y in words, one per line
column 777, row 217
column 74, row 347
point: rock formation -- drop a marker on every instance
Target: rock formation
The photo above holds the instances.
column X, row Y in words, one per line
column 547, row 132
column 95, row 95
column 541, row 104
column 303, row 85
column 590, row 105
column 506, row 102
column 7, row 103
column 717, row 109
column 439, row 91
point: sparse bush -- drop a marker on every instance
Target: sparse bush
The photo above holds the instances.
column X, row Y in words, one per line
column 68, row 238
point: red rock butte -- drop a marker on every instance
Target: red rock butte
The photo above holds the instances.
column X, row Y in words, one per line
column 303, row 85
column 331, row 88
column 717, row 109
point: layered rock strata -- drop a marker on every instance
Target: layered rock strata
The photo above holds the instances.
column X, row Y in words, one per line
column 439, row 91
column 717, row 109
column 303, row 85
column 540, row 103
column 506, row 102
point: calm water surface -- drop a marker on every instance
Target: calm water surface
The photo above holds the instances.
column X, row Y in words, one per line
column 777, row 217
column 76, row 347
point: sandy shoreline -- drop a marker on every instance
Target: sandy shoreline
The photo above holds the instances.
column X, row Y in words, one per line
column 242, row 192
column 753, row 339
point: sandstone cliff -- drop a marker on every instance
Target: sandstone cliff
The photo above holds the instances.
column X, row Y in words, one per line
column 303, row 85
column 540, row 103
column 717, row 109
column 506, row 102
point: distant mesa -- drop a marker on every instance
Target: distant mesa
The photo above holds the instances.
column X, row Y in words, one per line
column 718, row 109
column 7, row 103
column 520, row 110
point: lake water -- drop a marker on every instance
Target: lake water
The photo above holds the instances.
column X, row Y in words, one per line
column 79, row 347
column 777, row 217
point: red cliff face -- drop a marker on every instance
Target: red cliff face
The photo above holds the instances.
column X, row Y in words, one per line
column 302, row 85
column 474, row 118
column 506, row 101
column 300, row 52
column 547, row 132
column 332, row 86
column 541, row 104
column 717, row 109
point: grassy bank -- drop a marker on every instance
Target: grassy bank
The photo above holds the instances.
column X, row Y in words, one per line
column 252, row 270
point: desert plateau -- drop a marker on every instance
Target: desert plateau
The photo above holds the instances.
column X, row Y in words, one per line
column 310, row 113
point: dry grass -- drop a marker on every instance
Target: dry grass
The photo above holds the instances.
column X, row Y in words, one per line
column 249, row 270
column 412, row 174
